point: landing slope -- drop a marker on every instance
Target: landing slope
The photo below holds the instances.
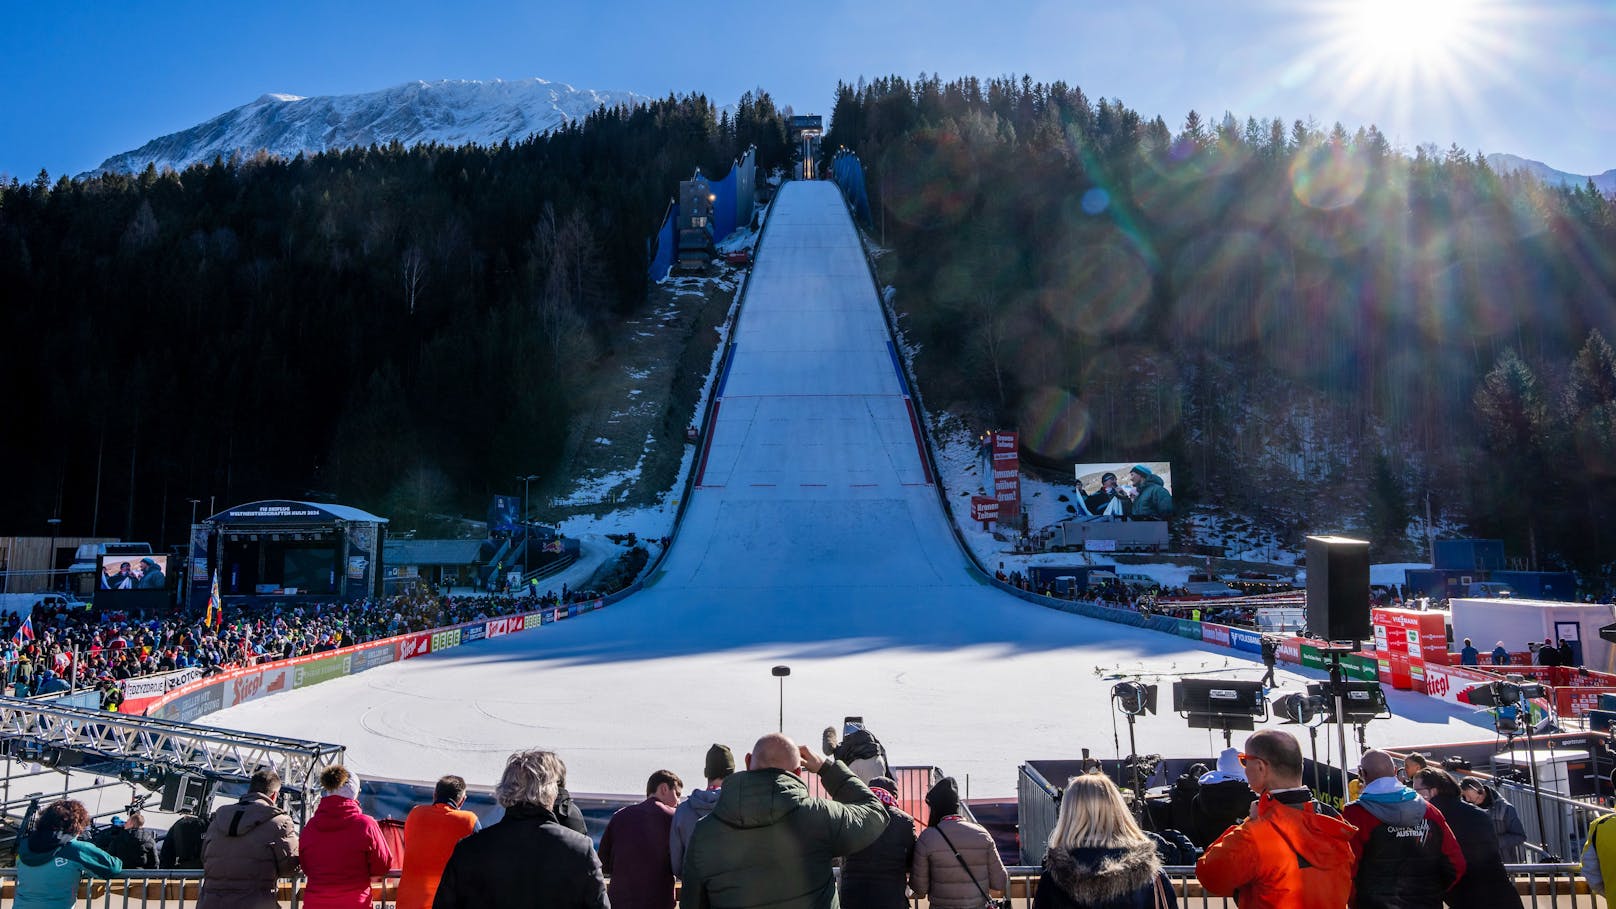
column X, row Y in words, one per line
column 813, row 541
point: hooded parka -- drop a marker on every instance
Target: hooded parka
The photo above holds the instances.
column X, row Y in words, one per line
column 768, row 843
column 248, row 847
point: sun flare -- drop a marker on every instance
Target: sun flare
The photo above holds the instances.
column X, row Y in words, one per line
column 1422, row 33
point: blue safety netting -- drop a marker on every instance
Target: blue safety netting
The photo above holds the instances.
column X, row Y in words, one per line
column 734, row 198
column 663, row 247
column 849, row 174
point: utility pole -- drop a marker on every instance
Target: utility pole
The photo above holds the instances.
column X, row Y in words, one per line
column 526, row 479
column 50, row 555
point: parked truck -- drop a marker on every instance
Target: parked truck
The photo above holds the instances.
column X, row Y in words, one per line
column 1073, row 534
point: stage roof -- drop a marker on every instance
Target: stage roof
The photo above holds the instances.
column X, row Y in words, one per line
column 282, row 511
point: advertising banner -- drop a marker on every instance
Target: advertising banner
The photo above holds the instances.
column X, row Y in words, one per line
column 152, row 686
column 984, row 508
column 1007, row 472
column 1188, row 629
column 321, row 670
column 414, row 645
column 443, row 640
column 1578, row 701
column 1446, row 682
column 1290, row 650
column 1312, row 657
column 497, row 628
column 188, row 707
column 1249, row 641
column 1358, row 666
column 475, row 633
column 532, row 620
column 254, row 685
column 1215, row 634
column 370, row 658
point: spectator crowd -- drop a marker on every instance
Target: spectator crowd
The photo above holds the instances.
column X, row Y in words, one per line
column 1414, row 836
column 76, row 648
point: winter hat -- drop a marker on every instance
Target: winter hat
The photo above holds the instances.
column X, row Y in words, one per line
column 1229, row 769
column 884, row 782
column 720, row 762
column 1142, row 470
column 943, row 799
column 339, row 780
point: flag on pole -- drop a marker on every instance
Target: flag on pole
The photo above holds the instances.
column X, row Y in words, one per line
column 25, row 631
column 215, row 615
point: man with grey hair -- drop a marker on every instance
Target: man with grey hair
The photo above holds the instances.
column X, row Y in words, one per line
column 768, row 843
column 528, row 856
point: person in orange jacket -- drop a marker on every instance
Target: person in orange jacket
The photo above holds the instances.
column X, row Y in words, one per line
column 430, row 834
column 1292, row 852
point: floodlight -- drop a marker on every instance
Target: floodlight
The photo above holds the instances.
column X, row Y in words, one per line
column 1134, row 698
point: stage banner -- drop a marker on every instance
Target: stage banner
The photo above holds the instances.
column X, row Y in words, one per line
column 321, row 670
column 1007, row 473
column 412, row 646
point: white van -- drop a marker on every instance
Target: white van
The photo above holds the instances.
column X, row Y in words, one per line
column 24, row 604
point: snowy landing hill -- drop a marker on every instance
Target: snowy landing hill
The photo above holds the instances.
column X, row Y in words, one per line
column 447, row 112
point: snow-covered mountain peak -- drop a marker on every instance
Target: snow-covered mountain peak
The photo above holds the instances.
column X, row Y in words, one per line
column 448, row 111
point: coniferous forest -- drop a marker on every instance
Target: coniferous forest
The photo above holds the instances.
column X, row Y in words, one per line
column 378, row 327
column 1317, row 329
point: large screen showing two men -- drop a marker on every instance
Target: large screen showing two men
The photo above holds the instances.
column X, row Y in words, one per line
column 133, row 582
column 1138, row 490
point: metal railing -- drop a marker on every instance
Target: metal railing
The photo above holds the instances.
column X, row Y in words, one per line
column 1556, row 886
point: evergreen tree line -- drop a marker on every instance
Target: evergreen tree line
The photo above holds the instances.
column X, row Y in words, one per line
column 401, row 329
column 1318, row 329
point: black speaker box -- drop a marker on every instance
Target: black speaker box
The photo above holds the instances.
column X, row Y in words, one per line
column 1338, row 588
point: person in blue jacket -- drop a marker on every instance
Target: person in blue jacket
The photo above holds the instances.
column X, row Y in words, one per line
column 51, row 858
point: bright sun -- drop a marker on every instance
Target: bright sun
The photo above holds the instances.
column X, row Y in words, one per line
column 1419, row 33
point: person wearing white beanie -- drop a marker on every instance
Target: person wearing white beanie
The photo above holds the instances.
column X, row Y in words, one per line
column 342, row 847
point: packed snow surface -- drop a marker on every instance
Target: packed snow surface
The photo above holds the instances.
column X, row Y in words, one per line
column 813, row 541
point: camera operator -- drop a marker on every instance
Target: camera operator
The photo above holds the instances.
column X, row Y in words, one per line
column 131, row 842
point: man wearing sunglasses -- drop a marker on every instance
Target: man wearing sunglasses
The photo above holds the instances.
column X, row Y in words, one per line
column 1292, row 851
column 1407, row 856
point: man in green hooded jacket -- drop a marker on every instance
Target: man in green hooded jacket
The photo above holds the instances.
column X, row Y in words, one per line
column 767, row 843
column 1152, row 501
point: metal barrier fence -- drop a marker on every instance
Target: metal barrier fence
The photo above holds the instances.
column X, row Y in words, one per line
column 1558, row 886
column 1563, row 825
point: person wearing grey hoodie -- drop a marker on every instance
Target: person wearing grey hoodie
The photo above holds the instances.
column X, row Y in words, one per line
column 719, row 765
column 1407, row 856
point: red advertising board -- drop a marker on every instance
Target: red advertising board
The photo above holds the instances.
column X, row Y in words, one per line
column 1214, row 634
column 984, row 508
column 1290, row 650
column 1446, row 682
column 414, row 645
column 1409, row 631
column 1007, row 472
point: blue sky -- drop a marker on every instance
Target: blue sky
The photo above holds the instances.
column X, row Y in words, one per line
column 82, row 82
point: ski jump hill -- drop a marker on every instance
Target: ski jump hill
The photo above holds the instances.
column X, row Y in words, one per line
column 814, row 538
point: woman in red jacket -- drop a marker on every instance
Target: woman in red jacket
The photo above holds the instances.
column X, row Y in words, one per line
column 342, row 848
